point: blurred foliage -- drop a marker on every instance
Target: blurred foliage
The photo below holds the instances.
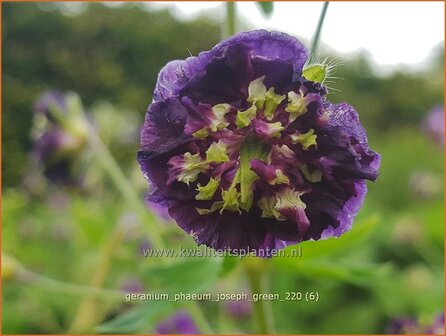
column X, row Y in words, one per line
column 102, row 53
column 390, row 263
column 267, row 7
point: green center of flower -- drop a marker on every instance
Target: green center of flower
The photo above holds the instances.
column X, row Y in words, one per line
column 252, row 126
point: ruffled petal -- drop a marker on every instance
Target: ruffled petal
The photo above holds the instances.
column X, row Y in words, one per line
column 261, row 43
column 163, row 128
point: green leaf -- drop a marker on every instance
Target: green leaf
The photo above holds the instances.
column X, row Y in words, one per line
column 361, row 275
column 134, row 320
column 189, row 277
column 266, row 7
column 229, row 264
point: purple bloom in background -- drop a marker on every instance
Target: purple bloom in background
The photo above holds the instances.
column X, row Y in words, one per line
column 159, row 210
column 59, row 136
column 48, row 101
column 409, row 325
column 239, row 309
column 247, row 153
column 437, row 328
column 403, row 325
column 131, row 285
column 434, row 124
column 180, row 323
column 144, row 244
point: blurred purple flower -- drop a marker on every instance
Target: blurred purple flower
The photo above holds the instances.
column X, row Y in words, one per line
column 131, row 285
column 247, row 153
column 437, row 328
column 49, row 100
column 180, row 323
column 434, row 124
column 160, row 210
column 403, row 325
column 239, row 309
column 144, row 245
column 59, row 136
column 409, row 325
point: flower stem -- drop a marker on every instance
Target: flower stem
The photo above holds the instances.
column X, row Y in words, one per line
column 114, row 171
column 202, row 324
column 262, row 309
column 316, row 36
column 135, row 203
column 230, row 18
column 90, row 311
column 67, row 288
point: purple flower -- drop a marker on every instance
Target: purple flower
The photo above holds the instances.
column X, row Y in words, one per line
column 144, row 245
column 239, row 309
column 59, row 136
column 180, row 323
column 246, row 152
column 437, row 328
column 434, row 124
column 403, row 325
column 409, row 325
column 159, row 210
column 131, row 285
column 49, row 101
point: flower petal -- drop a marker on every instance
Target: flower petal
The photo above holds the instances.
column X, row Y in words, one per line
column 163, row 128
column 262, row 43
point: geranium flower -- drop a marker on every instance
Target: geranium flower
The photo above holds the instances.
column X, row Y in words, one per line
column 179, row 323
column 239, row 309
column 410, row 325
column 434, row 124
column 248, row 153
column 59, row 136
column 404, row 325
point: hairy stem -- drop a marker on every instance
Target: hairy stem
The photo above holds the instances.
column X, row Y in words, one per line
column 317, row 34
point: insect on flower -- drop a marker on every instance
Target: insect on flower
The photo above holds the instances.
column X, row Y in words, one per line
column 247, row 152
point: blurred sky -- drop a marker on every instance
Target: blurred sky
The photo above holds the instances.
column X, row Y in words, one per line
column 395, row 33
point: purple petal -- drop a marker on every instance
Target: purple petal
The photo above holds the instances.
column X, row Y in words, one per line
column 345, row 116
column 261, row 43
column 163, row 128
column 263, row 170
column 224, row 79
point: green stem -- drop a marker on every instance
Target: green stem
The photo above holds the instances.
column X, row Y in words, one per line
column 316, row 36
column 262, row 309
column 90, row 311
column 230, row 18
column 111, row 167
column 67, row 288
column 199, row 319
column 134, row 202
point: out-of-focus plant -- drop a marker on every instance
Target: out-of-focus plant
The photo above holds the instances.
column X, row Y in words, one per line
column 60, row 137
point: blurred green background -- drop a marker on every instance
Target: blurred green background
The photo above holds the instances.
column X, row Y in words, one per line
column 390, row 264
